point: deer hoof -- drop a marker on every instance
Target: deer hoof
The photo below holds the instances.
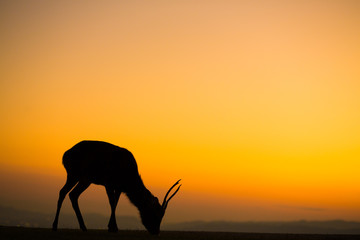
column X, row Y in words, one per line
column 113, row 229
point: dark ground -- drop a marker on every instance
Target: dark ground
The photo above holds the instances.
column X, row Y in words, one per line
column 21, row 233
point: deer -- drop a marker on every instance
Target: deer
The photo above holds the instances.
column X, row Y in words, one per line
column 115, row 168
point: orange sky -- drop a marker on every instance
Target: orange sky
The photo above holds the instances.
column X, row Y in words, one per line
column 254, row 104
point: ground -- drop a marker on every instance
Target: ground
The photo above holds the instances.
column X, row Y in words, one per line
column 21, row 233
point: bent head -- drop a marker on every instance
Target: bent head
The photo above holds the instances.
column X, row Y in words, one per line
column 153, row 214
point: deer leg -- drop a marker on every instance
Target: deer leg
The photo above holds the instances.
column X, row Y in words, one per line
column 70, row 183
column 113, row 200
column 74, row 196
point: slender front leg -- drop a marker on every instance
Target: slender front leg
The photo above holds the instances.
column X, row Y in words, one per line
column 113, row 200
column 74, row 196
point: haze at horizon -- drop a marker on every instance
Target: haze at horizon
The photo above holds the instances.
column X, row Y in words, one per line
column 254, row 104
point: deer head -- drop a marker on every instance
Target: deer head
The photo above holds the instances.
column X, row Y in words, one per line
column 153, row 212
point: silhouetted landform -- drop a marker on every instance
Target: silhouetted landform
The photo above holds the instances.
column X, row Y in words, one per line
column 298, row 227
column 14, row 217
column 21, row 233
column 115, row 168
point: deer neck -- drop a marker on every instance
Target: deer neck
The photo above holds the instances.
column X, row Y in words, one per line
column 140, row 197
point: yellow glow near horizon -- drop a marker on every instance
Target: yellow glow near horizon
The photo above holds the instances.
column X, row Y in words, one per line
column 250, row 103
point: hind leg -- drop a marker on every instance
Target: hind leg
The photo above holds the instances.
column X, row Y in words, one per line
column 74, row 196
column 70, row 183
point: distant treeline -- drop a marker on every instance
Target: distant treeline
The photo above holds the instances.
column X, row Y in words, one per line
column 15, row 217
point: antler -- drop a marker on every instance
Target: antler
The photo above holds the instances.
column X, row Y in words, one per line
column 165, row 202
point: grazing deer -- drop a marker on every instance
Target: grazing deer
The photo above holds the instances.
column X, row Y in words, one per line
column 115, row 168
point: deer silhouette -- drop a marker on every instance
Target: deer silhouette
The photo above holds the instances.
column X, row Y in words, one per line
column 115, row 168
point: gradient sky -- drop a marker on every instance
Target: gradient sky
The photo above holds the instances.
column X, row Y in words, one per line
column 254, row 104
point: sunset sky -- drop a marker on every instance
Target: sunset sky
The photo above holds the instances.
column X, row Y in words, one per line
column 255, row 105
